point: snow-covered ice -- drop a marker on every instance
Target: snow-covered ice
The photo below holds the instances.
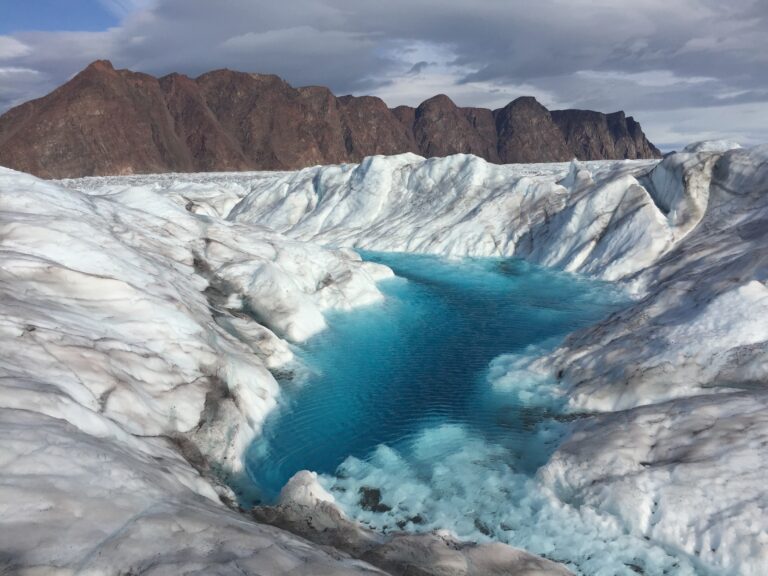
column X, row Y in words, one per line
column 141, row 317
column 128, row 357
column 464, row 206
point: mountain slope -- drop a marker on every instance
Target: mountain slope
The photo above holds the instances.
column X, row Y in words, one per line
column 106, row 121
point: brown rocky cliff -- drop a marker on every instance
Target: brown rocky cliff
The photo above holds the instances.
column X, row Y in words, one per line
column 100, row 122
column 107, row 121
column 208, row 145
column 441, row 128
column 594, row 136
column 527, row 133
column 372, row 128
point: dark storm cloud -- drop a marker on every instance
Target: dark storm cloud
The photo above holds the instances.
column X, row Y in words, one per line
column 648, row 57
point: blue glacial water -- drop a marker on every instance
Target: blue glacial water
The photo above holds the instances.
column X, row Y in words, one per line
column 384, row 374
column 429, row 399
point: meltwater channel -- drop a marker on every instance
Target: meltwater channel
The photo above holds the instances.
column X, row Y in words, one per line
column 420, row 414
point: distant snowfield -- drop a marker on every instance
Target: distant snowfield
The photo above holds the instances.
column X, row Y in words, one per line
column 141, row 316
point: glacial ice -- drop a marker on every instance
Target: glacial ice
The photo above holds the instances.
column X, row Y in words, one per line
column 686, row 234
column 462, row 205
column 130, row 349
column 688, row 474
column 455, row 206
column 681, row 377
column 712, row 146
column 121, row 367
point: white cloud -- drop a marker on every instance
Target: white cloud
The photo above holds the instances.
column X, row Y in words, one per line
column 729, row 95
column 11, row 48
column 11, row 71
column 294, row 41
column 648, row 78
column 122, row 8
column 409, row 83
column 655, row 59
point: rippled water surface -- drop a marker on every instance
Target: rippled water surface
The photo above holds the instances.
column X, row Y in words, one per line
column 384, row 374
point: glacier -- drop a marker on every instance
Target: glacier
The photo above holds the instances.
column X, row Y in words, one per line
column 134, row 376
column 144, row 319
column 120, row 374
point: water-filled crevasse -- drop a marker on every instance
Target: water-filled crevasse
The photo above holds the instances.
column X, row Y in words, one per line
column 426, row 398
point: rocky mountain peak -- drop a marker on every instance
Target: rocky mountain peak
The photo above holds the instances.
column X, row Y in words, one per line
column 108, row 121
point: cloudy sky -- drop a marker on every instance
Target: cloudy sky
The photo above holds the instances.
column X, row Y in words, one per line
column 686, row 69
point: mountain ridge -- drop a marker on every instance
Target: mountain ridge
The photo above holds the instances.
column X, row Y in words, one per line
column 109, row 122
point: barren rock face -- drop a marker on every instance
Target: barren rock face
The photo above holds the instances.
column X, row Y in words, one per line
column 101, row 122
column 106, row 122
column 372, row 128
column 527, row 133
column 441, row 128
column 595, row 136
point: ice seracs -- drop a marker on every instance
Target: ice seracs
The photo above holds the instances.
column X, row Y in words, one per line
column 700, row 327
column 603, row 223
